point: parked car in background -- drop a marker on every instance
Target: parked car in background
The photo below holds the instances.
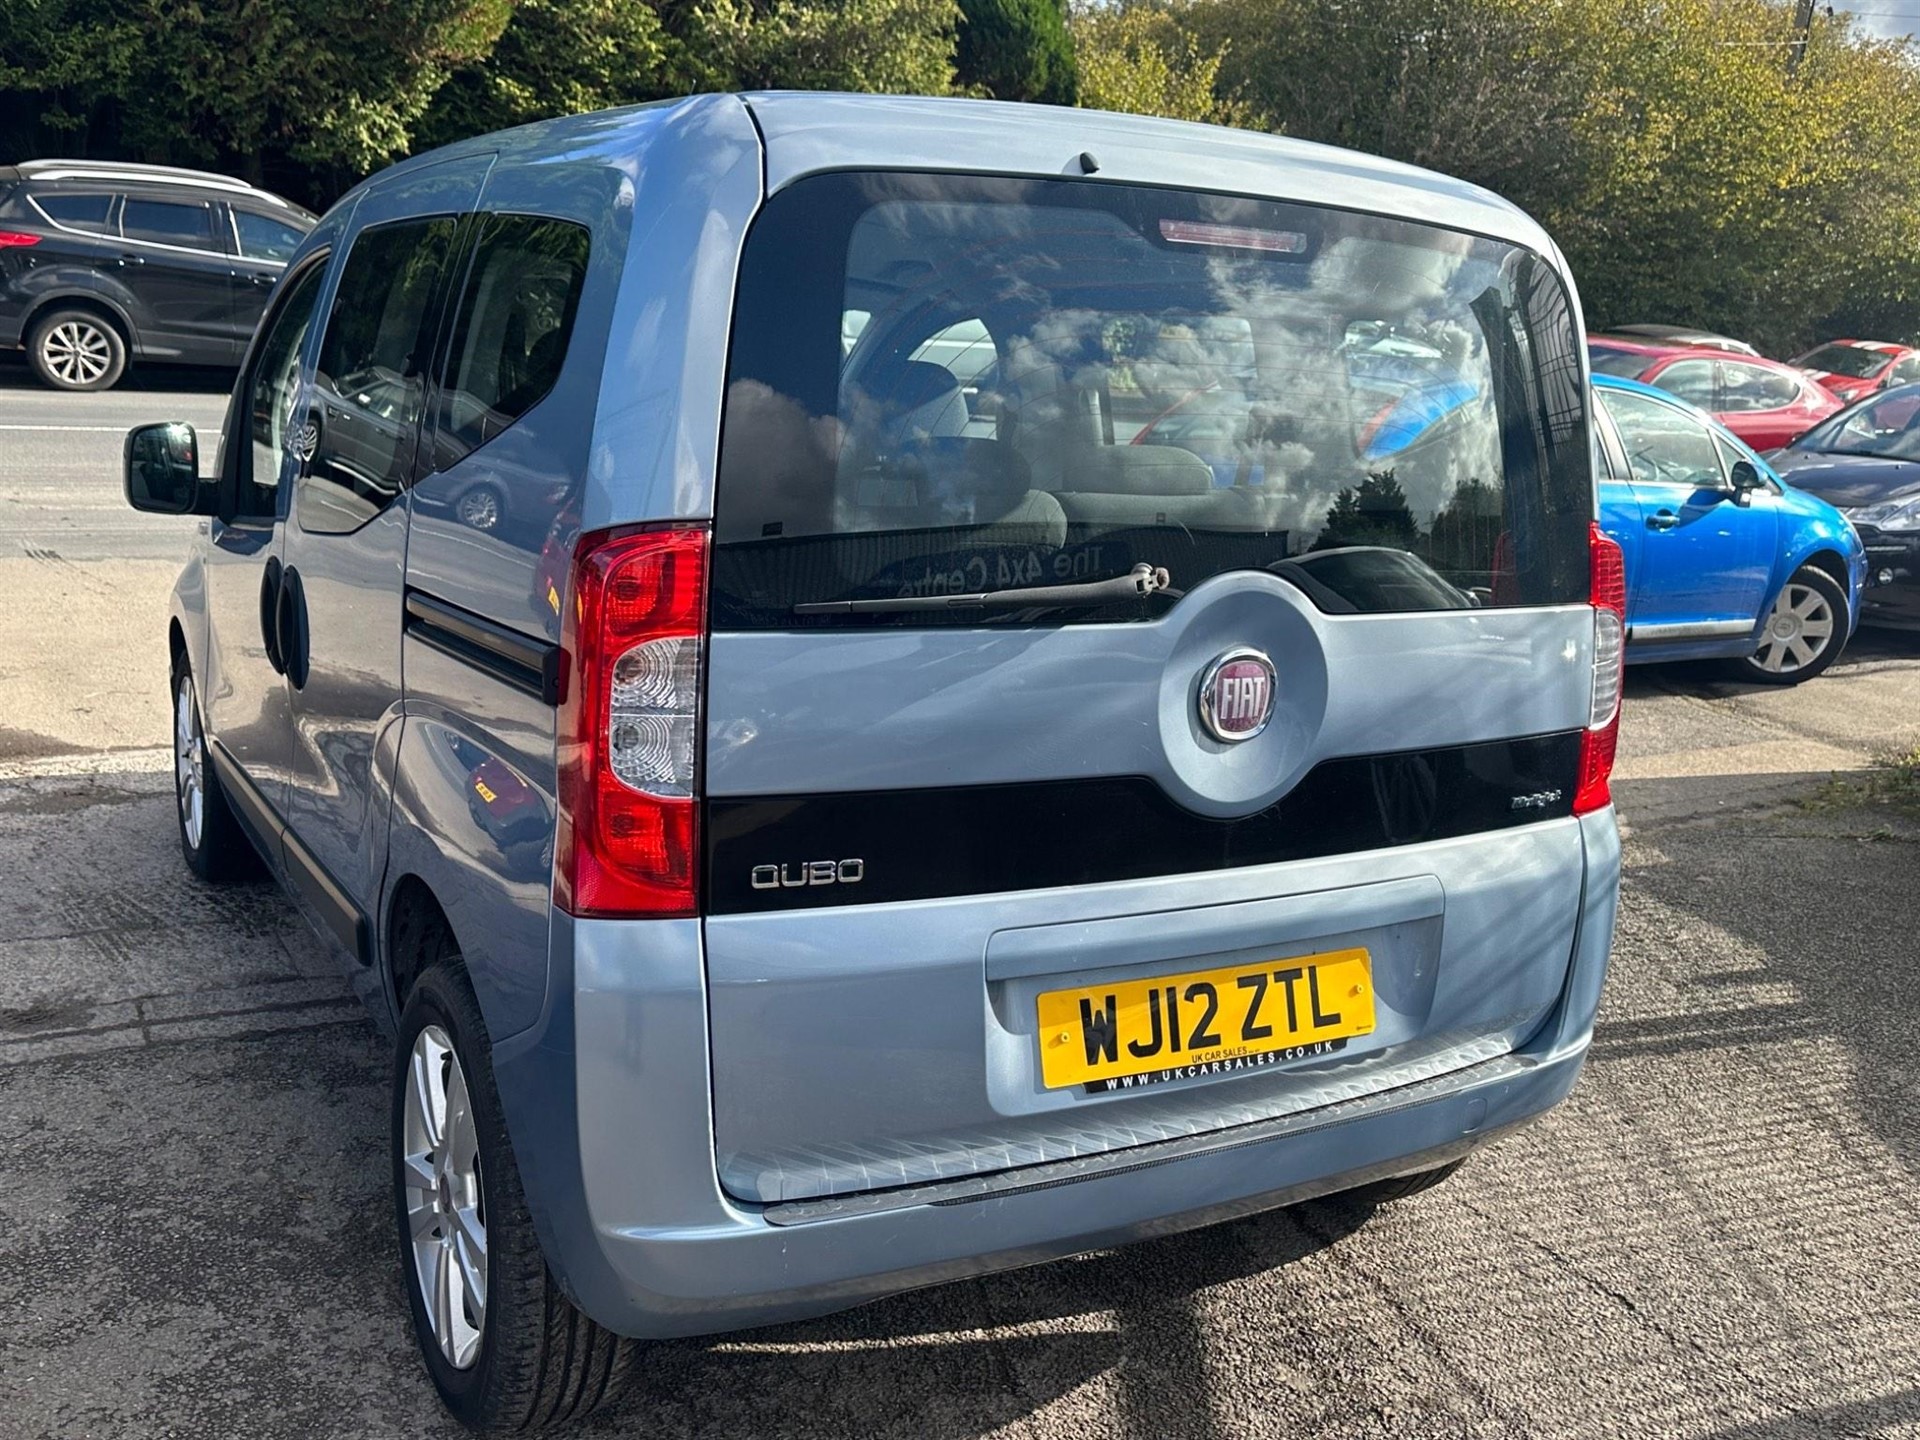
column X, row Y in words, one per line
column 1723, row 558
column 106, row 264
column 1866, row 461
column 1680, row 335
column 1855, row 369
column 838, row 834
column 1765, row 403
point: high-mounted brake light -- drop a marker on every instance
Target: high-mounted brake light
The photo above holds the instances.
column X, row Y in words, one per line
column 1233, row 237
column 632, row 630
column 11, row 238
column 1608, row 595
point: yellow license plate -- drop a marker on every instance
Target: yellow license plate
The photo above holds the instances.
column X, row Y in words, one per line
column 1205, row 1022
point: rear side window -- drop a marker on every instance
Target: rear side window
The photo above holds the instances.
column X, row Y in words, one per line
column 1691, row 380
column 262, row 238
column 510, row 334
column 168, row 223
column 943, row 385
column 1754, row 387
column 367, row 388
column 77, row 210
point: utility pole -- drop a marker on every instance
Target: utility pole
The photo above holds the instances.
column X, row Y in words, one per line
column 1802, row 24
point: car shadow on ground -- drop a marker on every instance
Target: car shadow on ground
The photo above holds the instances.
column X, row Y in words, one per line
column 1718, row 679
column 1841, row 942
column 965, row 1359
column 16, row 374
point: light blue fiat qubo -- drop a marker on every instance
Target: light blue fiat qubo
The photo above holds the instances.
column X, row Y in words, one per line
column 866, row 720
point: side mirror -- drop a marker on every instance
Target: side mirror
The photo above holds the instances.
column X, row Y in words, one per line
column 1745, row 476
column 163, row 471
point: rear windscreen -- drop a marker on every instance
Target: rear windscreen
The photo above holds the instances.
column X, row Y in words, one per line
column 948, row 386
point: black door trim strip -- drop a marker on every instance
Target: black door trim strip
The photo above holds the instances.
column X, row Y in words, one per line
column 332, row 903
column 256, row 816
column 528, row 665
column 285, row 852
column 786, row 852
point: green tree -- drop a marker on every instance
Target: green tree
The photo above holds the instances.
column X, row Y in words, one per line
column 237, row 84
column 557, row 57
column 1687, row 177
column 1463, row 536
column 887, row 46
column 1373, row 513
column 1016, row 50
column 1137, row 59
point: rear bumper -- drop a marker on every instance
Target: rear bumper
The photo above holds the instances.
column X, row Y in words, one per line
column 608, row 1099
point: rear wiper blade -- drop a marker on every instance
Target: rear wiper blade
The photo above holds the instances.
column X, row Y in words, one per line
column 1138, row 583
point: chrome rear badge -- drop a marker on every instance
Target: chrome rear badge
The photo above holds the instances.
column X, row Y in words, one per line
column 808, row 872
column 1236, row 695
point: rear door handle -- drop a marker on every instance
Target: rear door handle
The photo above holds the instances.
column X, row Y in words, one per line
column 1662, row 520
column 130, row 259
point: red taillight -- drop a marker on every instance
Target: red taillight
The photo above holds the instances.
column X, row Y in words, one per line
column 632, row 631
column 1608, row 594
column 9, row 239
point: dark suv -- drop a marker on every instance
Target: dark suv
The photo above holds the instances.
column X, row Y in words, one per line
column 105, row 262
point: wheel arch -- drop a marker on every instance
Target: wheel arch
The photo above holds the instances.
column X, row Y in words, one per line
column 484, row 857
column 416, row 936
column 96, row 304
column 1832, row 562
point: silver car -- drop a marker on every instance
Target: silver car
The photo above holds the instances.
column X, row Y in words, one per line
column 889, row 809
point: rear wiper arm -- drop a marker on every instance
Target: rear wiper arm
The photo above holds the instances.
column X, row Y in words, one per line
column 1138, row 583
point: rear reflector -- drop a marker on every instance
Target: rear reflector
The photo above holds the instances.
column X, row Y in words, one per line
column 632, row 632
column 12, row 238
column 1608, row 585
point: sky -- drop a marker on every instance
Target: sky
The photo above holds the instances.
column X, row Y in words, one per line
column 1885, row 17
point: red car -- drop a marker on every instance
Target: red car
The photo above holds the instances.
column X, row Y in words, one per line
column 1765, row 403
column 1855, row 369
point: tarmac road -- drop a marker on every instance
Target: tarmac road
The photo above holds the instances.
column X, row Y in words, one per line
column 1718, row 1235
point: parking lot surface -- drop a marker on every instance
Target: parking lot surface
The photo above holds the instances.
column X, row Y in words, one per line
column 1718, row 1235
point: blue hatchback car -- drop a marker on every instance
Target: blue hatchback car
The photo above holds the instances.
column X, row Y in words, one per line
column 1724, row 559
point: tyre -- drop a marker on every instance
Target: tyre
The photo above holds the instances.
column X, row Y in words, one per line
column 1400, row 1187
column 215, row 846
column 1804, row 632
column 506, row 1350
column 77, row 350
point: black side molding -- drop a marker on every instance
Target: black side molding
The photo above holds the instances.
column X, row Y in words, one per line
column 284, row 851
column 330, row 902
column 528, row 665
column 256, row 816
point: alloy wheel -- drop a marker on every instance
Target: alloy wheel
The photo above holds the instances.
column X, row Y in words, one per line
column 77, row 351
column 189, row 762
column 1797, row 632
column 446, row 1209
column 479, row 508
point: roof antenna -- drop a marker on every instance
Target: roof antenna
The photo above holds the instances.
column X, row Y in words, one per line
column 1087, row 163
